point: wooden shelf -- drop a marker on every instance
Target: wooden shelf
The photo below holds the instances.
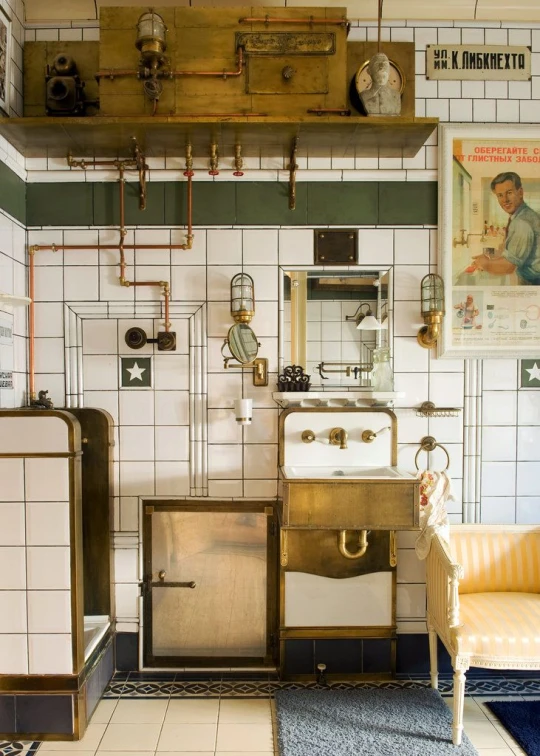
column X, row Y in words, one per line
column 159, row 136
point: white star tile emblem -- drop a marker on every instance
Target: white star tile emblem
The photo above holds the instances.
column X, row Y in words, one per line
column 136, row 372
column 534, row 372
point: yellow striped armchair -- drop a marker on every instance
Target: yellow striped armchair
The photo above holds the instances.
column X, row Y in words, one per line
column 483, row 601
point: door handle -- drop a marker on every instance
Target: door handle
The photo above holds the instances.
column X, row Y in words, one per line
column 172, row 584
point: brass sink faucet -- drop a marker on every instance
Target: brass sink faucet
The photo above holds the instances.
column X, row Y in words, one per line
column 338, row 437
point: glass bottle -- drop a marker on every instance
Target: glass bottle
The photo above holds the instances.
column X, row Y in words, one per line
column 382, row 378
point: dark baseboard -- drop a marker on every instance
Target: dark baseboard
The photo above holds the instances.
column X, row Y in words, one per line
column 56, row 714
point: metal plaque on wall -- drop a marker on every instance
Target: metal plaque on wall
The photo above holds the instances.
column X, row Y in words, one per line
column 6, row 379
column 6, row 332
column 478, row 62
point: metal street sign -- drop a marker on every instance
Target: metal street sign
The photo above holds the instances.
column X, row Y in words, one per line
column 478, row 62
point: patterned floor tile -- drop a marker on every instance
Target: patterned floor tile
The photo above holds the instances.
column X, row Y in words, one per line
column 253, row 688
column 18, row 748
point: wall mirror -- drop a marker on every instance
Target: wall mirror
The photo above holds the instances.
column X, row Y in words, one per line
column 336, row 324
column 242, row 343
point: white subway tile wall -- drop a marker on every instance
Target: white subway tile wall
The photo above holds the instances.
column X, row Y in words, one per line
column 242, row 462
column 35, row 555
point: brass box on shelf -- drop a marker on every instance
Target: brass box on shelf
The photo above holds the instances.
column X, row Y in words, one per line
column 287, row 68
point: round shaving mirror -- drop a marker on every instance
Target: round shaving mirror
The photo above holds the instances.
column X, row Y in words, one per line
column 242, row 343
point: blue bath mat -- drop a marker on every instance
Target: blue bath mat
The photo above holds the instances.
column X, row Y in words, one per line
column 522, row 720
column 371, row 722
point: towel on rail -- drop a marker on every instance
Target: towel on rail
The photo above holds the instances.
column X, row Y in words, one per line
column 435, row 491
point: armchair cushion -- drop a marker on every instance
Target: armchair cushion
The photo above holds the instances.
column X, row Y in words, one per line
column 499, row 626
column 497, row 561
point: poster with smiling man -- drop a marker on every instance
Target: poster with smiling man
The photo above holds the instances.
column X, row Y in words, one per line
column 490, row 240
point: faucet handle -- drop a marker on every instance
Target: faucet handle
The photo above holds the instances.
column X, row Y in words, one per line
column 368, row 435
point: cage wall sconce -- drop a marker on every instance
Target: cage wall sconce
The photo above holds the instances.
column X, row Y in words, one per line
column 242, row 298
column 241, row 341
column 432, row 308
column 151, row 39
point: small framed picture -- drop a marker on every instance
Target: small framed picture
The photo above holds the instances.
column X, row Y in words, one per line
column 5, row 61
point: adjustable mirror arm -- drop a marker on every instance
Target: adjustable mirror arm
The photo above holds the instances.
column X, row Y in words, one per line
column 259, row 366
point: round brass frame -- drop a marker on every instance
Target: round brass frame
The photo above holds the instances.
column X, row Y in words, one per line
column 362, row 70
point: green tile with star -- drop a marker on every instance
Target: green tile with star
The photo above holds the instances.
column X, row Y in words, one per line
column 136, row 372
column 530, row 373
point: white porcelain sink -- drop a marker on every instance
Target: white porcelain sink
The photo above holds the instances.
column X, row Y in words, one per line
column 350, row 473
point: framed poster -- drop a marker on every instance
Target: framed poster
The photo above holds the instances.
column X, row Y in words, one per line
column 5, row 61
column 489, row 240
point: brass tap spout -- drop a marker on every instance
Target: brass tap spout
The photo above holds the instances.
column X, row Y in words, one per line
column 338, row 437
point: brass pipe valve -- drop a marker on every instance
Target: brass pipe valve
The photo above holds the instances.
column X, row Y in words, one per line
column 238, row 162
column 213, row 160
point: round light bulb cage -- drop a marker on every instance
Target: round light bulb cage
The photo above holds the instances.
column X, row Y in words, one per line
column 150, row 41
column 242, row 298
column 432, row 295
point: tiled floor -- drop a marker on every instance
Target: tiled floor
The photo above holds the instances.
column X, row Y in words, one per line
column 175, row 717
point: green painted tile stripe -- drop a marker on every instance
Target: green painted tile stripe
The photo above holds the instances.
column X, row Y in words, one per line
column 12, row 193
column 249, row 203
column 61, row 204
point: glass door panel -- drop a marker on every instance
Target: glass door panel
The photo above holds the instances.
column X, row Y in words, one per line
column 208, row 588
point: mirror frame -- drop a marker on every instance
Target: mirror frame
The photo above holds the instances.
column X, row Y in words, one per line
column 299, row 323
column 232, row 342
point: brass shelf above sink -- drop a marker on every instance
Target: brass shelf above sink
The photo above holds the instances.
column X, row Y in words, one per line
column 354, row 136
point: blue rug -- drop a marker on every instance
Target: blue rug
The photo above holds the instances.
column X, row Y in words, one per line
column 522, row 720
column 370, row 721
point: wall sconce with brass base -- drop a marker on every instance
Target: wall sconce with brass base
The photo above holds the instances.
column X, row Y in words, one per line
column 241, row 340
column 432, row 304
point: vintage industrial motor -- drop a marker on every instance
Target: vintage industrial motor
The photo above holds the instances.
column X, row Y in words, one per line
column 64, row 88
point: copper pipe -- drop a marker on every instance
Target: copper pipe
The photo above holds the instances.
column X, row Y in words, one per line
column 171, row 74
column 122, row 229
column 120, row 247
column 167, row 295
column 114, row 163
column 116, row 72
column 189, row 211
column 310, row 20
column 145, row 283
column 60, row 247
column 31, row 326
column 225, row 74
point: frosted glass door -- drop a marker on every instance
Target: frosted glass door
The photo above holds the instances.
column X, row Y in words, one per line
column 208, row 595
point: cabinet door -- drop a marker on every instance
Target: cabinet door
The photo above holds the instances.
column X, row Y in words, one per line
column 207, row 591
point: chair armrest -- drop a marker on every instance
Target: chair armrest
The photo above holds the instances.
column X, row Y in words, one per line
column 442, row 584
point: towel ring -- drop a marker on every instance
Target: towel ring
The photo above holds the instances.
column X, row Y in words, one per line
column 429, row 444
